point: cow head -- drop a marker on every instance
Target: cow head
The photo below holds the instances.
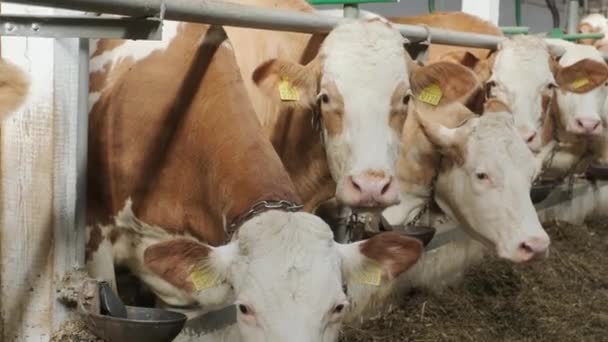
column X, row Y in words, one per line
column 288, row 278
column 581, row 97
column 357, row 87
column 484, row 182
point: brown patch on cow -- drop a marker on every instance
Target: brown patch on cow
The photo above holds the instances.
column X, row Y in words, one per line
column 593, row 72
column 14, row 86
column 95, row 239
column 394, row 252
column 106, row 45
column 114, row 235
column 399, row 102
column 173, row 132
column 174, row 260
column 457, row 83
column 496, row 106
column 332, row 112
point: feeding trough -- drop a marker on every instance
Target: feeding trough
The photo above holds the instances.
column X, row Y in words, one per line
column 597, row 171
column 541, row 190
column 107, row 318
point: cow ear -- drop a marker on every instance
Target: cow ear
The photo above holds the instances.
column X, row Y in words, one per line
column 370, row 267
column 379, row 259
column 464, row 58
column 13, row 88
column 582, row 76
column 288, row 82
column 451, row 142
column 443, row 83
column 193, row 268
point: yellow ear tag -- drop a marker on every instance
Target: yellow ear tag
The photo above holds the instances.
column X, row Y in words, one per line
column 203, row 279
column 370, row 274
column 287, row 91
column 579, row 83
column 431, row 95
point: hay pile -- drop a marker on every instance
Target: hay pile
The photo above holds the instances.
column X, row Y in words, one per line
column 564, row 298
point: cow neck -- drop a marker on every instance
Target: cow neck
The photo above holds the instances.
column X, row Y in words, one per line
column 290, row 131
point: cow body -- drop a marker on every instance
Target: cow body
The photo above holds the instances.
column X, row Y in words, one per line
column 176, row 154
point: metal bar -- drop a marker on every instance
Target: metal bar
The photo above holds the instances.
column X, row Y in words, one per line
column 518, row 20
column 80, row 27
column 572, row 16
column 82, row 133
column 515, row 29
column 213, row 12
column 351, row 11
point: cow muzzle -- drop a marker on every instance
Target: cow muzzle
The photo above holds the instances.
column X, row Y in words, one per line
column 371, row 189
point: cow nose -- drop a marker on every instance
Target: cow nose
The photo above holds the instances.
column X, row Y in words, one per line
column 533, row 248
column 529, row 136
column 589, row 125
column 372, row 189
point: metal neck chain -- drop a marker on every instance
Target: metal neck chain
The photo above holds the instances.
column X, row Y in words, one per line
column 258, row 208
column 431, row 197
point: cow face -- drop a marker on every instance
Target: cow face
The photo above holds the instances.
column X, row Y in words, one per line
column 521, row 77
column 485, row 180
column 357, row 86
column 582, row 93
column 289, row 280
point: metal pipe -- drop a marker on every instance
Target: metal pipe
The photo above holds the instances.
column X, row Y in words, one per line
column 511, row 30
column 351, row 11
column 431, row 4
column 573, row 7
column 518, row 20
column 554, row 12
column 82, row 134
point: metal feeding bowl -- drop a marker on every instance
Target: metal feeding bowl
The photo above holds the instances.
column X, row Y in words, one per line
column 597, row 171
column 541, row 191
column 97, row 306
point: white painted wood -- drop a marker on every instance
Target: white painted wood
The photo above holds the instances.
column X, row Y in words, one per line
column 38, row 238
column 486, row 9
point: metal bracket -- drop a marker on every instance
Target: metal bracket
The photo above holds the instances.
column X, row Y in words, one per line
column 81, row 27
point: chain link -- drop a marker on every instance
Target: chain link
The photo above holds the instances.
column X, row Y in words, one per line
column 259, row 208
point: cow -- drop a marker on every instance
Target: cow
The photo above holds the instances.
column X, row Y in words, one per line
column 14, row 86
column 519, row 73
column 476, row 168
column 579, row 111
column 594, row 23
column 340, row 137
column 186, row 190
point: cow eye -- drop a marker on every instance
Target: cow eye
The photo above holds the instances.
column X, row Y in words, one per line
column 551, row 86
column 406, row 99
column 481, row 175
column 324, row 98
column 244, row 309
column 339, row 308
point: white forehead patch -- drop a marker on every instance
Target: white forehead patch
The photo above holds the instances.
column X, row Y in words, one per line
column 365, row 56
column 525, row 56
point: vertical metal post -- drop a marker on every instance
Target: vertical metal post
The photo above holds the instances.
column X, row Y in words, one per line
column 82, row 129
column 351, row 11
column 572, row 16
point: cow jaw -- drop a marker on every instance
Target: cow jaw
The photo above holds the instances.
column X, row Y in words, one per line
column 364, row 82
column 488, row 192
column 521, row 75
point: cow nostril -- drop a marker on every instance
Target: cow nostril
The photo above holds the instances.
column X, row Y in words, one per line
column 531, row 137
column 526, row 248
column 386, row 187
column 355, row 185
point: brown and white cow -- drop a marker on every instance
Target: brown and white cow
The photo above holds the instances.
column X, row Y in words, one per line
column 579, row 112
column 356, row 78
column 518, row 73
column 594, row 23
column 14, row 86
column 485, row 172
column 176, row 154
